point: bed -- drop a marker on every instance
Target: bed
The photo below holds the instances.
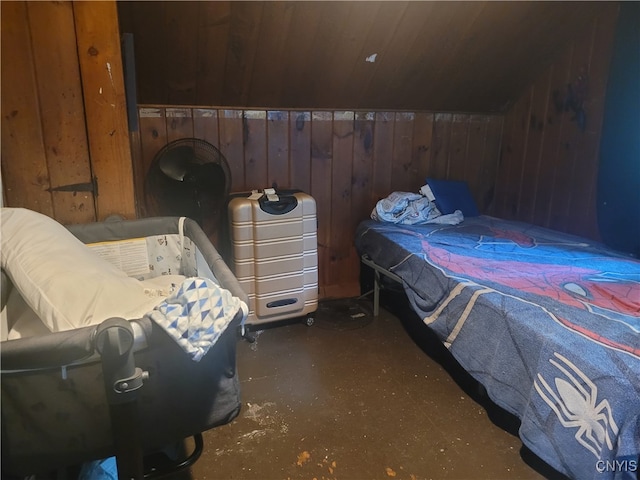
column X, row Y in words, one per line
column 119, row 340
column 548, row 323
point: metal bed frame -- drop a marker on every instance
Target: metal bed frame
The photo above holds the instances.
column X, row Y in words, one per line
column 377, row 271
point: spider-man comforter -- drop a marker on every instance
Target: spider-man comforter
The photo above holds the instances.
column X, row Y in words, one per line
column 549, row 323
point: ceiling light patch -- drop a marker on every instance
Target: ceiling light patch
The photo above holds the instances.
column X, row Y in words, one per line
column 371, row 58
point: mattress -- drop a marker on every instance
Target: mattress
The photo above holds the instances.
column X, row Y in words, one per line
column 548, row 322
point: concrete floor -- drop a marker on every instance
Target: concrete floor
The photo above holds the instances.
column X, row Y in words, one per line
column 358, row 398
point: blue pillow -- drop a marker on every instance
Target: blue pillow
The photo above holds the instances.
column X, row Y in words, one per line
column 452, row 195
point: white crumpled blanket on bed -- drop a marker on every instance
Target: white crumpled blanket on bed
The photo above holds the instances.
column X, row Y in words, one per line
column 407, row 208
column 197, row 313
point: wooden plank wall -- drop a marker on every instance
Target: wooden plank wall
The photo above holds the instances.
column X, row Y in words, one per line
column 439, row 56
column 347, row 160
column 100, row 57
column 549, row 165
column 44, row 140
column 63, row 110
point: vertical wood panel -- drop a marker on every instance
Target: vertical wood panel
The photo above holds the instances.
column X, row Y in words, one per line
column 440, row 142
column 362, row 186
column 583, row 205
column 153, row 136
column 510, row 176
column 180, row 73
column 232, row 145
column 458, row 148
column 431, row 64
column 255, row 145
column 362, row 201
column 63, row 87
column 571, row 139
column 213, row 33
column 559, row 76
column 325, row 47
column 395, row 40
column 298, row 64
column 60, row 97
column 270, row 52
column 300, row 152
column 105, row 106
column 534, row 147
column 244, row 29
column 403, row 171
column 150, row 50
column 342, row 227
column 349, row 52
column 24, row 168
column 383, row 28
column 421, row 149
column 558, row 170
column 585, row 142
column 475, row 157
column 492, row 150
column 321, row 188
column 278, row 148
column 205, row 125
column 179, row 123
column 382, row 154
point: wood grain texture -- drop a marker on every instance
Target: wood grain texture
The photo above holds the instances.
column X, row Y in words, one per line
column 255, row 149
column 232, row 135
column 213, row 37
column 205, row 125
column 300, row 150
column 153, row 136
column 59, row 90
column 277, row 148
column 467, row 56
column 98, row 44
column 549, row 162
column 24, row 167
column 63, row 91
column 321, row 187
column 342, row 223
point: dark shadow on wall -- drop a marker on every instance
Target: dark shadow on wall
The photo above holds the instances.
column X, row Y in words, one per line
column 619, row 173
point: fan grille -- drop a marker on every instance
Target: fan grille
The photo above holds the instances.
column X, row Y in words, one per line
column 188, row 177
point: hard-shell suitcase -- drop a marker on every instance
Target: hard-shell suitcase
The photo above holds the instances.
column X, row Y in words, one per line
column 274, row 249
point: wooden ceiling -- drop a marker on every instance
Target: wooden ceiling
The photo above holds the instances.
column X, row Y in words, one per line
column 440, row 56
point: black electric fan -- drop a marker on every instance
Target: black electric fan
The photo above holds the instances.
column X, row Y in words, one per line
column 189, row 177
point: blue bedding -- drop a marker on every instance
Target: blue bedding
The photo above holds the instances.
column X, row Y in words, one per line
column 549, row 323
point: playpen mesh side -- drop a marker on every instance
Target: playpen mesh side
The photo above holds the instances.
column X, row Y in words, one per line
column 53, row 418
column 58, row 417
column 150, row 257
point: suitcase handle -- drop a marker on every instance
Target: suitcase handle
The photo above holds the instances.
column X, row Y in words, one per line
column 284, row 204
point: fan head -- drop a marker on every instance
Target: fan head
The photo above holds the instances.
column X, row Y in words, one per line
column 188, row 177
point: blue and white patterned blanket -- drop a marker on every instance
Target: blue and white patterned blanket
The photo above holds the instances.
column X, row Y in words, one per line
column 197, row 313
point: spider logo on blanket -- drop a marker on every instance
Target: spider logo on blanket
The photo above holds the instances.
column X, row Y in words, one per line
column 574, row 403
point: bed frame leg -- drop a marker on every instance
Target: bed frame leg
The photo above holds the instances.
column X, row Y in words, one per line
column 377, row 285
column 376, row 293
